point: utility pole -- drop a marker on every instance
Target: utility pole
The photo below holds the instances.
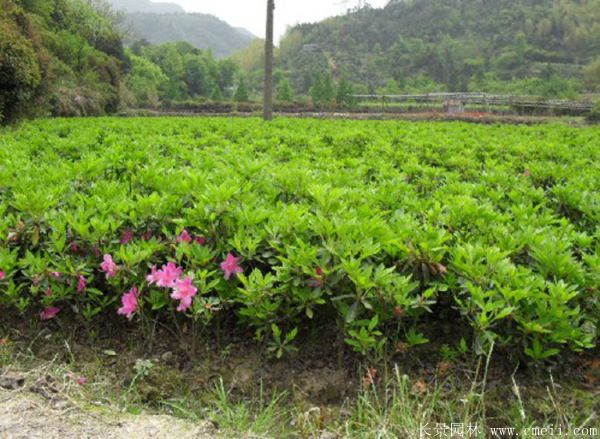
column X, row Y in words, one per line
column 268, row 92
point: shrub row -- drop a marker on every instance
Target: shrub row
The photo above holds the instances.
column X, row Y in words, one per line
column 382, row 227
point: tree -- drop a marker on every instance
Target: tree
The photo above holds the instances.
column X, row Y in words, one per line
column 322, row 91
column 284, row 91
column 241, row 94
column 216, row 94
column 316, row 91
column 146, row 80
column 328, row 91
column 344, row 97
column 196, row 75
column 268, row 92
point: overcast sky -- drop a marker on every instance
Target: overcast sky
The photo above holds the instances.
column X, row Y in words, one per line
column 250, row 14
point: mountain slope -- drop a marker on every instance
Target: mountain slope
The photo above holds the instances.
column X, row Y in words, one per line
column 201, row 30
column 167, row 22
column 451, row 44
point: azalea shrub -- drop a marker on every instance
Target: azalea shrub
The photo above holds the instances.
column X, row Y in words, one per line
column 382, row 228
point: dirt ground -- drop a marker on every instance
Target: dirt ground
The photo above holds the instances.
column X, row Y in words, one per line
column 27, row 415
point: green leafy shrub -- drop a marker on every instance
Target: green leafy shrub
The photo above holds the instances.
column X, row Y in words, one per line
column 385, row 229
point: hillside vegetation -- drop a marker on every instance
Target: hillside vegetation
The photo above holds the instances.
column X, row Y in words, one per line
column 59, row 57
column 66, row 58
column 541, row 47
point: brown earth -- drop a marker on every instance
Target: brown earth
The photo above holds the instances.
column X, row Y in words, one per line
column 24, row 414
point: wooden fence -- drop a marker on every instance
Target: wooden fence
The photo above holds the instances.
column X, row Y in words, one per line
column 531, row 102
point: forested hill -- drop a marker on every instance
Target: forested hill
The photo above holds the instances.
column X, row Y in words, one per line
column 549, row 47
column 160, row 23
column 60, row 57
column 203, row 31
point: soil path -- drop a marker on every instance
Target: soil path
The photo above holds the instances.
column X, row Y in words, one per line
column 26, row 415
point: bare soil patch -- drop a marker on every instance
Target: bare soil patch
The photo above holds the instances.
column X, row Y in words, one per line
column 24, row 414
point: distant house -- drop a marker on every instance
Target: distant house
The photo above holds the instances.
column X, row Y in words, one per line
column 311, row 48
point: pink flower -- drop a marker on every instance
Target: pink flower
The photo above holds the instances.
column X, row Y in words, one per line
column 2, row 275
column 230, row 266
column 167, row 276
column 81, row 380
column 81, row 284
column 56, row 274
column 148, row 235
column 74, row 247
column 184, row 291
column 126, row 237
column 184, row 237
column 109, row 267
column 49, row 313
column 48, row 292
column 153, row 277
column 130, row 303
column 201, row 240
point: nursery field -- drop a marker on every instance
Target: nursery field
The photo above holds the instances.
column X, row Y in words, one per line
column 387, row 230
column 302, row 278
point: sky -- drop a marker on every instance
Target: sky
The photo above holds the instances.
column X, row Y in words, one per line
column 250, row 14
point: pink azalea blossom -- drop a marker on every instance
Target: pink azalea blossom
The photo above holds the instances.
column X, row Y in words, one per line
column 109, row 267
column 184, row 237
column 130, row 303
column 153, row 277
column 56, row 274
column 200, row 240
column 2, row 275
column 230, row 266
column 49, row 313
column 167, row 276
column 184, row 291
column 126, row 237
column 81, row 284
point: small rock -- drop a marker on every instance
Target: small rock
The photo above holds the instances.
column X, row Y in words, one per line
column 207, row 427
column 243, row 378
column 60, row 404
column 167, row 356
column 11, row 381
